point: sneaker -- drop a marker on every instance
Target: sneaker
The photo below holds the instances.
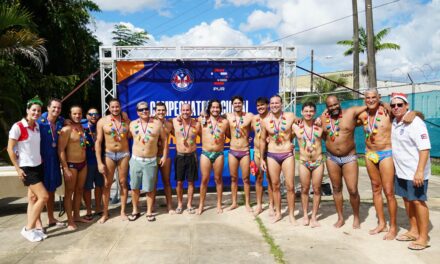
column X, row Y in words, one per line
column 30, row 235
column 40, row 232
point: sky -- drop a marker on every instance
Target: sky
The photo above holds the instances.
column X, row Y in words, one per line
column 304, row 24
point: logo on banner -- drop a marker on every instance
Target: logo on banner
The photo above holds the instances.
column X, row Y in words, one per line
column 220, row 78
column 182, row 80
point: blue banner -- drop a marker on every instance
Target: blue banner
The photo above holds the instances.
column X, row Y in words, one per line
column 195, row 82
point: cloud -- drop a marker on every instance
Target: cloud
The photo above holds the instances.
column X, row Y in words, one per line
column 220, row 3
column 130, row 6
column 259, row 19
column 217, row 33
column 419, row 39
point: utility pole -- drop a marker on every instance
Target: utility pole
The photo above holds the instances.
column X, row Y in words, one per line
column 355, row 48
column 371, row 53
column 311, row 74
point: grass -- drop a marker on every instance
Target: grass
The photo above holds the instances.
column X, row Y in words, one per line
column 275, row 250
column 435, row 168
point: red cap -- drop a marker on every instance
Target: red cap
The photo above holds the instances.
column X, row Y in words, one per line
column 401, row 96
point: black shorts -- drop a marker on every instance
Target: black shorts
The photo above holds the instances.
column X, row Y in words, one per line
column 34, row 175
column 185, row 167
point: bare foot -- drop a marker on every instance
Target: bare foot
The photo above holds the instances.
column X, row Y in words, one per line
column 339, row 223
column 72, row 227
column 306, row 221
column 103, row 219
column 232, row 207
column 258, row 211
column 356, row 223
column 199, row 211
column 292, row 220
column 171, row 211
column 314, row 223
column 276, row 218
column 82, row 220
column 271, row 211
column 124, row 217
column 378, row 229
column 249, row 209
column 219, row 209
column 391, row 235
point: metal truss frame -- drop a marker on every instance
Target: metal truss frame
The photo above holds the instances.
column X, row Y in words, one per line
column 109, row 55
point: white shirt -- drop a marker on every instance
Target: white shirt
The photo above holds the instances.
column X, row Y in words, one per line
column 28, row 147
column 408, row 140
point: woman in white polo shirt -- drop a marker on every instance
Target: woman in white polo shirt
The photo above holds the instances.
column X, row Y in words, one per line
column 411, row 148
column 24, row 152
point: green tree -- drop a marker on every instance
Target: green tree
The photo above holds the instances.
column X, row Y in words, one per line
column 123, row 36
column 17, row 37
column 378, row 45
column 324, row 88
column 72, row 52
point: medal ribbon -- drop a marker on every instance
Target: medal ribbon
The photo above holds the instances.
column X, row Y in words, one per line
column 371, row 127
column 214, row 128
column 185, row 134
column 277, row 127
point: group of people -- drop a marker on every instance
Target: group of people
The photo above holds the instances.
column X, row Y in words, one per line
column 397, row 159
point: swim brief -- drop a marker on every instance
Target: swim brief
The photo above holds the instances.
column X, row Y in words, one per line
column 311, row 165
column 117, row 156
column 239, row 154
column 341, row 161
column 279, row 157
column 212, row 155
column 377, row 156
column 77, row 165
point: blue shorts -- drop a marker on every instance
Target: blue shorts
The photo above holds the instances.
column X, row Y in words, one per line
column 94, row 178
column 406, row 189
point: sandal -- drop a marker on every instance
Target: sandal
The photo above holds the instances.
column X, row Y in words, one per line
column 179, row 210
column 406, row 237
column 191, row 210
column 134, row 217
column 88, row 217
column 417, row 246
column 151, row 218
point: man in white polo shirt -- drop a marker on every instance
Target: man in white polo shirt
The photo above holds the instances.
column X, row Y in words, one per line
column 411, row 146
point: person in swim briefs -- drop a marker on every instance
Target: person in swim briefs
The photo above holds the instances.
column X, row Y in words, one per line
column 240, row 126
column 214, row 129
column 311, row 167
column 113, row 130
column 378, row 157
column 338, row 133
column 72, row 144
column 277, row 126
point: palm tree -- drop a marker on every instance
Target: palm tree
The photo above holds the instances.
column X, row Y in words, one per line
column 323, row 88
column 18, row 44
column 17, row 37
column 378, row 45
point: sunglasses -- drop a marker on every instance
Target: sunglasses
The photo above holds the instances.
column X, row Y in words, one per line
column 398, row 105
column 93, row 114
column 143, row 109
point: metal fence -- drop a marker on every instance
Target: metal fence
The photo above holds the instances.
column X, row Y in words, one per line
column 426, row 102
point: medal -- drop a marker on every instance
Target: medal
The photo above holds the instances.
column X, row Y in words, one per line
column 54, row 145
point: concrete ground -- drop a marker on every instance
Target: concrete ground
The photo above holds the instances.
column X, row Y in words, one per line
column 231, row 237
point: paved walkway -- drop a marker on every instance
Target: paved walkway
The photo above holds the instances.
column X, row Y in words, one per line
column 232, row 237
